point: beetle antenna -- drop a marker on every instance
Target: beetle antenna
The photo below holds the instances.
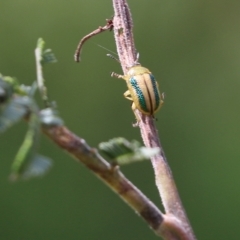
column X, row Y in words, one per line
column 106, row 49
column 111, row 56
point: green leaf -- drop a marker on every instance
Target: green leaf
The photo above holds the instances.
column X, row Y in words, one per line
column 6, row 90
column 13, row 112
column 40, row 44
column 27, row 162
column 28, row 90
column 122, row 151
column 49, row 117
column 16, row 108
column 38, row 166
column 47, row 55
column 10, row 86
column 28, row 148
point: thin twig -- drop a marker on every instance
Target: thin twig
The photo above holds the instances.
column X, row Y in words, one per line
column 40, row 78
column 111, row 175
column 108, row 26
column 164, row 179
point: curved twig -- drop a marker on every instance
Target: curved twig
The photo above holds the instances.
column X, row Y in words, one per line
column 108, row 26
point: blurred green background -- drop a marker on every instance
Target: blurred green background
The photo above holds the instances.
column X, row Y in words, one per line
column 193, row 49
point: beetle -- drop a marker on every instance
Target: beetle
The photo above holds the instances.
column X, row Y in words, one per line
column 143, row 89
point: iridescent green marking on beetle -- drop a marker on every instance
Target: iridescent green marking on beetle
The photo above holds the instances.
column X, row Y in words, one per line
column 139, row 93
column 156, row 92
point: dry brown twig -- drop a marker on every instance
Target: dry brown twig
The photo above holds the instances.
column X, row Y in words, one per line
column 173, row 225
column 108, row 26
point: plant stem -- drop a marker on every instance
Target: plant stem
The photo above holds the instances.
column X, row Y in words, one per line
column 123, row 33
column 111, row 175
column 40, row 78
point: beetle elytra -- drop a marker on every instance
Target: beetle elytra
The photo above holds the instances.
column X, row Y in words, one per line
column 143, row 90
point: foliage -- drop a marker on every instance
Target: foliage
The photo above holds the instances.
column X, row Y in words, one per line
column 17, row 102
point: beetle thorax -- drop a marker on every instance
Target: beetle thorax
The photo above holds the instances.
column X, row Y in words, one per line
column 136, row 70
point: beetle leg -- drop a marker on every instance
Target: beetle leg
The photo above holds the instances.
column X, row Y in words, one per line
column 133, row 107
column 163, row 96
column 127, row 95
column 161, row 101
column 113, row 74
